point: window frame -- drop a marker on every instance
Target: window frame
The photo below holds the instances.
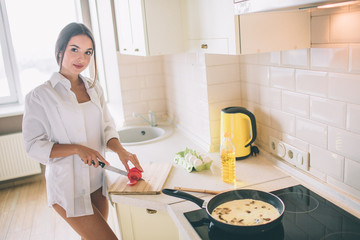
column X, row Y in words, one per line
column 8, row 54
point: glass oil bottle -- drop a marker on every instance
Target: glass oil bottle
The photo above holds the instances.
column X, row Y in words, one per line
column 227, row 154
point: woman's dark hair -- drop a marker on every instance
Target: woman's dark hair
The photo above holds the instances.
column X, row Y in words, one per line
column 69, row 31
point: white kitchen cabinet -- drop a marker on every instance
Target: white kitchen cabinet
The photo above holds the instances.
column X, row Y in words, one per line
column 212, row 27
column 209, row 25
column 138, row 223
column 149, row 27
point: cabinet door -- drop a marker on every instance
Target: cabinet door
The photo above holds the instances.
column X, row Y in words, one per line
column 274, row 31
column 139, row 223
column 164, row 26
column 149, row 27
column 210, row 23
column 123, row 26
column 138, row 27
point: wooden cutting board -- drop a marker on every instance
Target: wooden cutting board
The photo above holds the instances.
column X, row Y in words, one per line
column 154, row 175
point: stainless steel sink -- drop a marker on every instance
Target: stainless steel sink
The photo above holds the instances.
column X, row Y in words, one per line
column 141, row 134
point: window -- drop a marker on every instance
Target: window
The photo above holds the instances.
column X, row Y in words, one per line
column 28, row 33
column 4, row 84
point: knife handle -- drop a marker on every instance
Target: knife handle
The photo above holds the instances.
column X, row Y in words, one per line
column 101, row 164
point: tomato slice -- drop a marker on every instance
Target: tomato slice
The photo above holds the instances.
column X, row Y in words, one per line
column 134, row 175
column 132, row 182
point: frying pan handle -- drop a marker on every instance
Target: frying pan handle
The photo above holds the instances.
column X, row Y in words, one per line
column 184, row 195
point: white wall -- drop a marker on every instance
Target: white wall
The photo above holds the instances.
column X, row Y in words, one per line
column 187, row 94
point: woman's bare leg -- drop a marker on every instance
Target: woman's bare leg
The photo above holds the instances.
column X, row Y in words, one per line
column 90, row 227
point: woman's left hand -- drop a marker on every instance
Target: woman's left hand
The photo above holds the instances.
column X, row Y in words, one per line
column 126, row 156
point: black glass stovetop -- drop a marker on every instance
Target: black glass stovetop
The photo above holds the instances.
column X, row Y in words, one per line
column 307, row 216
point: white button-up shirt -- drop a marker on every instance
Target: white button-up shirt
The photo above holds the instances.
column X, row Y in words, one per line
column 53, row 115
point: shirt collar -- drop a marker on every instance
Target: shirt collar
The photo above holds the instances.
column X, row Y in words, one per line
column 59, row 78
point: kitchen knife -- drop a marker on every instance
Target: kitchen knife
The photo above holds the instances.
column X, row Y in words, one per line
column 113, row 169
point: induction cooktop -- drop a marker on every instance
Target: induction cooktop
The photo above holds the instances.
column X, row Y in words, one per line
column 307, row 216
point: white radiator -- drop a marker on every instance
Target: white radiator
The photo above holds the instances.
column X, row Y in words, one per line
column 14, row 162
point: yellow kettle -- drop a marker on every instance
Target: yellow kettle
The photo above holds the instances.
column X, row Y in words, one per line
column 242, row 126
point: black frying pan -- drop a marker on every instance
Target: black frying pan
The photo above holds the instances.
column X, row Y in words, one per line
column 230, row 196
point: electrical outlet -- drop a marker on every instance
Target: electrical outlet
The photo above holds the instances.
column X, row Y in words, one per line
column 289, row 153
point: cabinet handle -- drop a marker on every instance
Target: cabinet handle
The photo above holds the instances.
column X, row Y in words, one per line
column 136, row 49
column 204, row 46
column 124, row 49
column 151, row 211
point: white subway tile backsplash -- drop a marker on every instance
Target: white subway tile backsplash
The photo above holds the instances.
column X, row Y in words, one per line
column 132, row 83
column 344, row 87
column 352, row 170
column 202, row 109
column 220, row 59
column 199, row 74
column 343, row 28
column 215, row 108
column 344, row 143
column 270, row 97
column 354, row 65
column 262, row 115
column 282, row 121
column 316, row 173
column 222, row 74
column 128, row 59
column 311, row 132
column 194, row 59
column 332, row 59
column 328, row 111
column 128, row 70
column 343, row 187
column 249, row 58
column 296, row 142
column 269, row 58
column 295, row 58
column 150, row 68
column 255, row 74
column 320, row 29
column 295, row 103
column 224, row 92
column 311, row 82
column 154, row 80
column 307, row 97
column 327, row 162
column 152, row 93
column 250, row 92
column 138, row 107
column 353, row 118
column 157, row 105
column 282, row 78
column 263, row 135
column 131, row 96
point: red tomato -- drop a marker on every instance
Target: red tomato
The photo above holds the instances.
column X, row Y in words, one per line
column 134, row 175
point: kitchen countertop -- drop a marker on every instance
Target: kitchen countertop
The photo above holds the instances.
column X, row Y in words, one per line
column 251, row 171
column 258, row 172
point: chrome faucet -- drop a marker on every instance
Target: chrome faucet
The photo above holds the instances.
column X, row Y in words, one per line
column 152, row 118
